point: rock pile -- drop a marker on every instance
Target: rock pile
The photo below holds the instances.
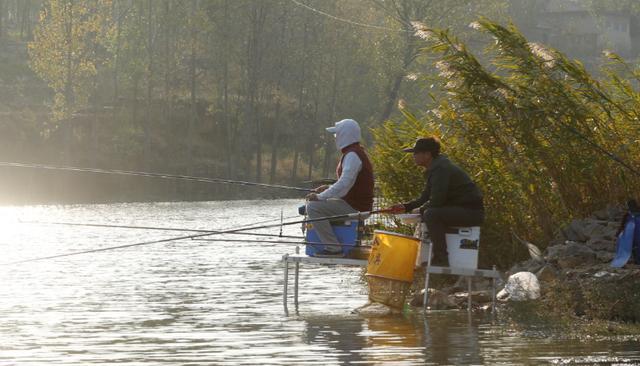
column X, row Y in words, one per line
column 577, row 259
column 576, row 270
column 582, row 244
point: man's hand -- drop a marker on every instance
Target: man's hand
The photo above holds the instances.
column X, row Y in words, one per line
column 321, row 188
column 396, row 209
column 312, row 196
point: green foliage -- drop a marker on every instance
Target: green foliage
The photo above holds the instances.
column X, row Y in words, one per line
column 397, row 177
column 63, row 52
column 534, row 130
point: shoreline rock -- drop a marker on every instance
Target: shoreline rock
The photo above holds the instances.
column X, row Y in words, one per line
column 577, row 275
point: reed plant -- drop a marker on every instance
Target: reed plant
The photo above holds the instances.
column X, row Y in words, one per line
column 545, row 140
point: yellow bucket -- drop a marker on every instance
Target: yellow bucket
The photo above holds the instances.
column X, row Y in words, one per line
column 393, row 256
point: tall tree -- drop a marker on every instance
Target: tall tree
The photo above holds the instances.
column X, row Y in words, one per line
column 281, row 66
column 255, row 53
column 63, row 53
column 301, row 98
column 150, row 54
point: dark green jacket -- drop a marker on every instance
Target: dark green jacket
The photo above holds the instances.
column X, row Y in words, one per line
column 447, row 185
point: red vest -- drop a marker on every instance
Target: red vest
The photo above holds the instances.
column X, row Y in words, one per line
column 360, row 196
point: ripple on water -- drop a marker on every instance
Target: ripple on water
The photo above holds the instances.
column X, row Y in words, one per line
column 198, row 302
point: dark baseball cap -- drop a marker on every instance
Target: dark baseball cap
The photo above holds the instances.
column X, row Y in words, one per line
column 430, row 144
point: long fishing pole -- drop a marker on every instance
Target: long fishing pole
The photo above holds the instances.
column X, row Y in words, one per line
column 355, row 215
column 311, row 243
column 153, row 228
column 152, row 175
column 81, row 224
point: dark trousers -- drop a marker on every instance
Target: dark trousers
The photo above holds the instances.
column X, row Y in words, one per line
column 438, row 219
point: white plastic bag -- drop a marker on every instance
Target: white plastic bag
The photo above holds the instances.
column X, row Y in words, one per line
column 520, row 287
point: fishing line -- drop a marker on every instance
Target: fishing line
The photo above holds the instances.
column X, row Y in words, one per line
column 152, row 175
column 355, row 215
column 365, row 25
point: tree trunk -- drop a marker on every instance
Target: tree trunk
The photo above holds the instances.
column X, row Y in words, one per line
column 68, row 88
column 134, row 106
column 312, row 136
column 296, row 144
column 192, row 82
column 2, row 19
column 27, row 17
column 294, row 168
column 116, row 57
column 274, row 142
column 21, row 19
column 328, row 141
column 149, row 102
column 229, row 138
column 24, row 18
column 409, row 54
column 276, row 121
column 166, row 106
column 251, row 87
column 392, row 97
column 258, row 16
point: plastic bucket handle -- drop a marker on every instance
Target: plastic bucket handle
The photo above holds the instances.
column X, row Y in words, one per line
column 465, row 231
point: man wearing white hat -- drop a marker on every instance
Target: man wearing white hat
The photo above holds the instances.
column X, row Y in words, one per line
column 352, row 192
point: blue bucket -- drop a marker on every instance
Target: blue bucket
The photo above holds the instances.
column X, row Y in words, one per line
column 346, row 232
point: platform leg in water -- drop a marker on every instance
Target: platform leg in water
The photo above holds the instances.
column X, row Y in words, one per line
column 493, row 293
column 468, row 293
column 286, row 281
column 426, row 277
column 295, row 284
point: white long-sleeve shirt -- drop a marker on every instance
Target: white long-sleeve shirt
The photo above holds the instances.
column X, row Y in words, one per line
column 351, row 166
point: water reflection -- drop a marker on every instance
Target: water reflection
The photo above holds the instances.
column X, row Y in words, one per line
column 392, row 339
column 342, row 335
column 446, row 334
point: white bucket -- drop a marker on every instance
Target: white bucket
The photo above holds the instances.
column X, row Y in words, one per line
column 463, row 244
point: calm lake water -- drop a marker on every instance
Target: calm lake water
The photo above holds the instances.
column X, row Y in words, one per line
column 220, row 303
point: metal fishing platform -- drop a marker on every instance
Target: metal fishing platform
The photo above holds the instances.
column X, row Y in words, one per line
column 297, row 259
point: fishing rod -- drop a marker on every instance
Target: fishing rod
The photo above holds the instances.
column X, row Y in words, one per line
column 81, row 224
column 355, row 215
column 311, row 243
column 152, row 175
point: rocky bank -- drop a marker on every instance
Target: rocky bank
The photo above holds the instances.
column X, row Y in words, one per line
column 574, row 274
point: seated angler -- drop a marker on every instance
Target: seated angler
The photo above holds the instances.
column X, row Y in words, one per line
column 353, row 192
column 450, row 198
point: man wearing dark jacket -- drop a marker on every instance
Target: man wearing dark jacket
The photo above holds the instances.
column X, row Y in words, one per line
column 450, row 197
